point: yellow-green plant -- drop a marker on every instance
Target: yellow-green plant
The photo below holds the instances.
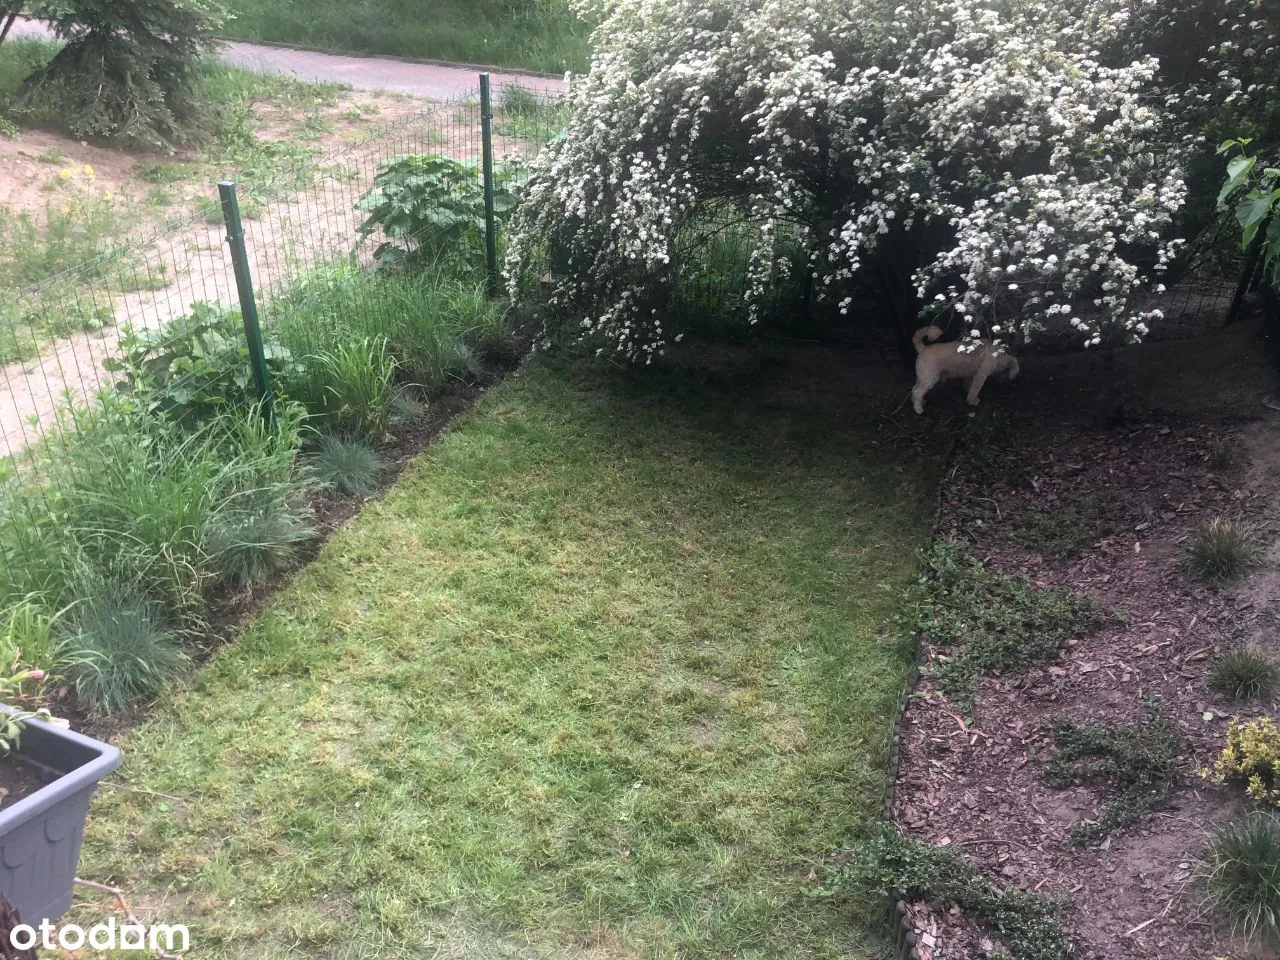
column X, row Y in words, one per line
column 1252, row 754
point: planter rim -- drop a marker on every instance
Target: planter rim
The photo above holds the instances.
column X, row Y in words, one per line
column 68, row 784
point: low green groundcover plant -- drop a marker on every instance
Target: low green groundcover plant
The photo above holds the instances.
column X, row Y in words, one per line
column 1138, row 764
column 984, row 620
column 888, row 865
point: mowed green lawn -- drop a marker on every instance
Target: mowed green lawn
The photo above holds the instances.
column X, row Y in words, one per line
column 601, row 677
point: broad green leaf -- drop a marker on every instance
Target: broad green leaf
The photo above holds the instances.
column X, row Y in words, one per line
column 1237, row 170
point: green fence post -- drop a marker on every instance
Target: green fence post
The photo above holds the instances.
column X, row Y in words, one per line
column 490, row 223
column 248, row 306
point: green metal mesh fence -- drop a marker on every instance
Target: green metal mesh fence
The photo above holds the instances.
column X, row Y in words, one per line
column 163, row 308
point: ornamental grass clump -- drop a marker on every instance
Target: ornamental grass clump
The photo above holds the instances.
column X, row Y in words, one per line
column 1221, row 550
column 1243, row 674
column 1242, row 876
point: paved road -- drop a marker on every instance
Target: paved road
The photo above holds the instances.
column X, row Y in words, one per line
column 434, row 81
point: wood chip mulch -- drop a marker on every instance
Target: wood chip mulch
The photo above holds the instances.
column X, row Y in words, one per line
column 977, row 781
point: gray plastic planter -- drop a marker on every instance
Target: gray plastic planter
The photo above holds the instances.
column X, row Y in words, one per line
column 40, row 835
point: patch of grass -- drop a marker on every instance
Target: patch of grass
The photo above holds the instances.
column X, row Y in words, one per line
column 348, row 466
column 355, row 386
column 1137, row 764
column 164, row 174
column 28, row 637
column 1244, row 674
column 890, row 865
column 533, row 34
column 27, row 323
column 1222, row 453
column 1242, row 876
column 161, row 197
column 438, row 323
column 1221, row 550
column 602, row 668
column 989, row 621
column 79, row 230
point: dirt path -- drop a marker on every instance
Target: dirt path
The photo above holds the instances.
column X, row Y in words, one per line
column 431, row 80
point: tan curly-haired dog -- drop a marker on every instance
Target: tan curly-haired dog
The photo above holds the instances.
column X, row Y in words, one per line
column 936, row 362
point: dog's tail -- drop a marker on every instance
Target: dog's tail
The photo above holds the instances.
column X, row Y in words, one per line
column 926, row 335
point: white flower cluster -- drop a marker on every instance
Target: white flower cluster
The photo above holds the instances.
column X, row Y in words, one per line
column 1003, row 161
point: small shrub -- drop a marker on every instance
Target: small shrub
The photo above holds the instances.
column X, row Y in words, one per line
column 348, row 466
column 120, row 648
column 1242, row 876
column 991, row 621
column 890, row 865
column 1244, row 674
column 1221, row 550
column 1252, row 754
column 1137, row 764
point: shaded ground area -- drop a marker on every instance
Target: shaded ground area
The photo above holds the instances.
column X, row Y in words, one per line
column 604, row 675
column 1095, row 482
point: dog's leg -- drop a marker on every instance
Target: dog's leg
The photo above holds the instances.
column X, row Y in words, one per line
column 975, row 385
column 925, row 381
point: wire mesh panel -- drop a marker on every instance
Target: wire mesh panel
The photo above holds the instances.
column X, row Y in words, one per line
column 115, row 373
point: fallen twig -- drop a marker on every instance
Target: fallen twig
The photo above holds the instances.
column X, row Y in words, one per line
column 149, row 793
column 129, row 915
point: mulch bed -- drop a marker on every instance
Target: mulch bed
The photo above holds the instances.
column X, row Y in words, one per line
column 978, row 782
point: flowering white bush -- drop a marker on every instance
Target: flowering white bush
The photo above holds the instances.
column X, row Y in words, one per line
column 1004, row 162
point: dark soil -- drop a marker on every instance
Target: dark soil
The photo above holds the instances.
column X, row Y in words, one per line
column 19, row 779
column 1093, row 480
